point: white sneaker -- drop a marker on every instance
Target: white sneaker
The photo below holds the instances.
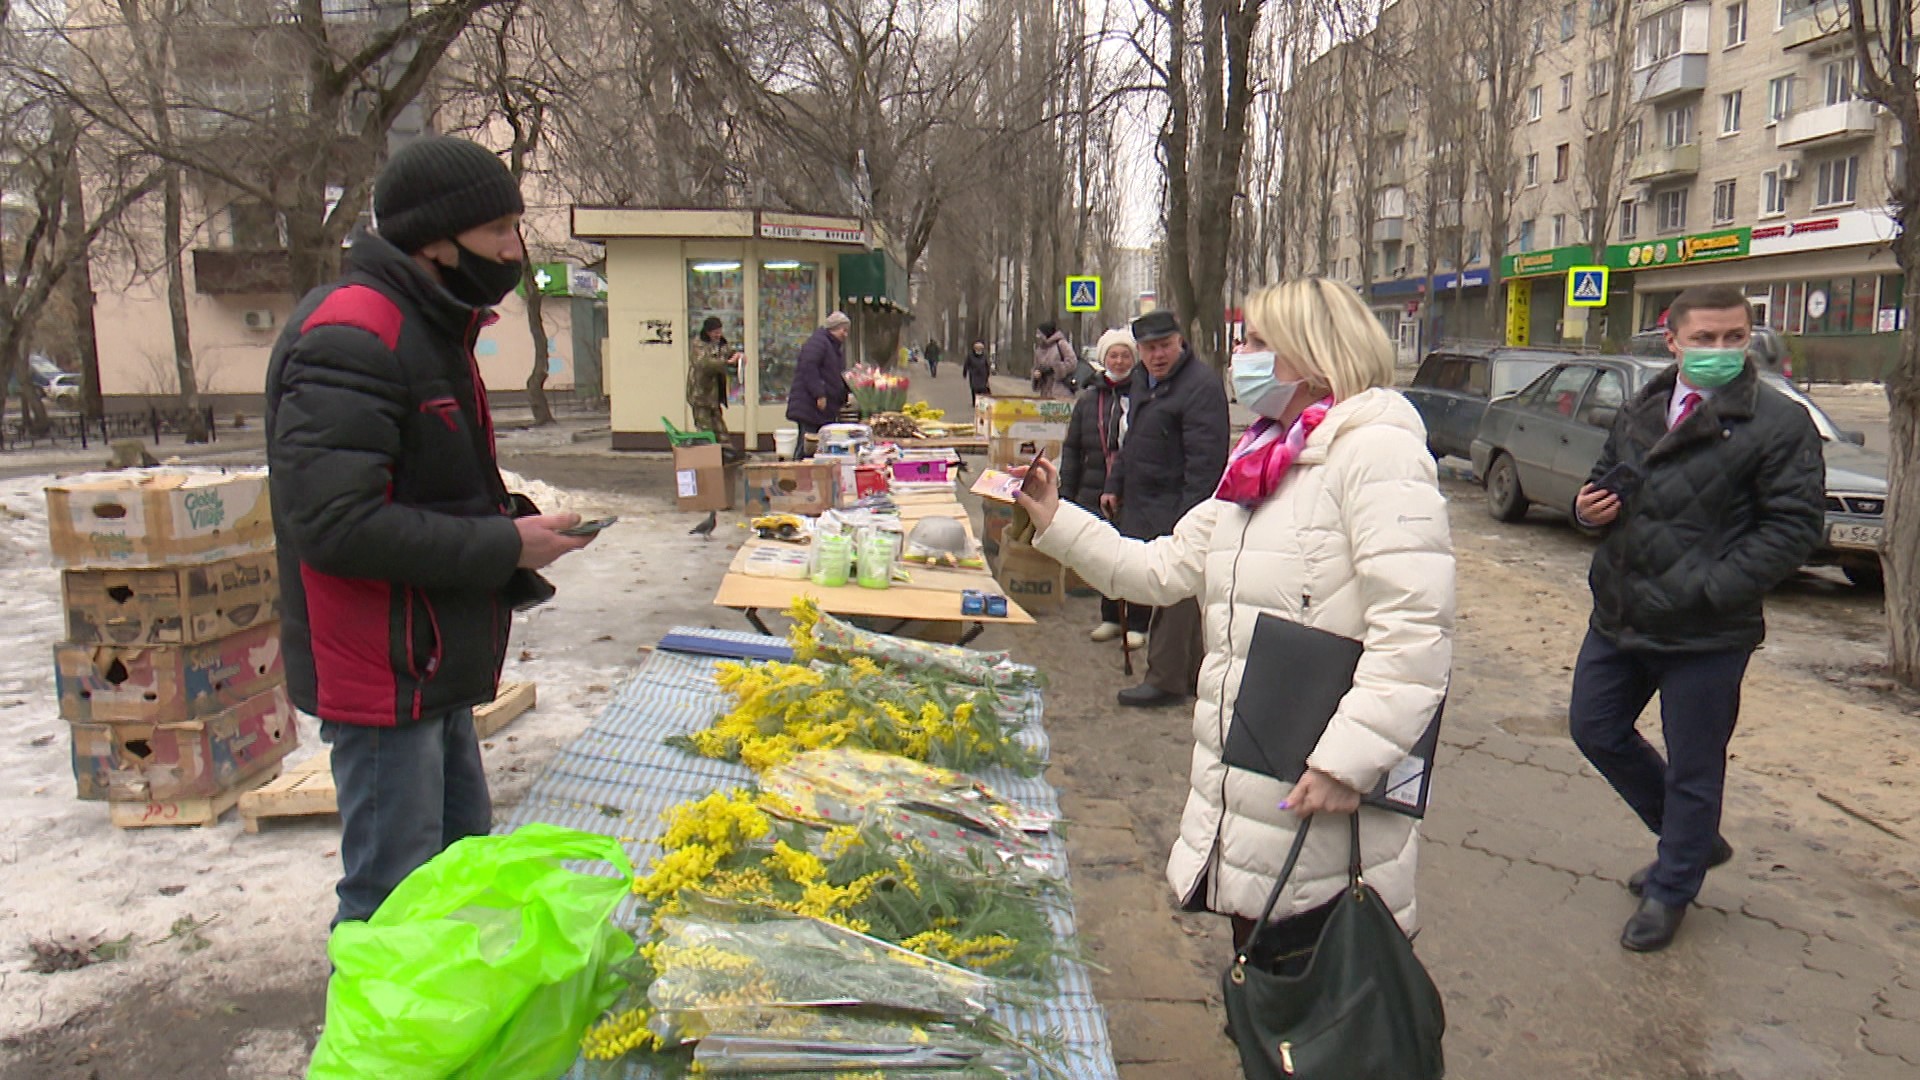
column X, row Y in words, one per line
column 1107, row 631
column 1136, row 640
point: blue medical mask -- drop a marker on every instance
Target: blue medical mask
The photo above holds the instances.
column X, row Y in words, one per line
column 1256, row 387
column 1711, row 369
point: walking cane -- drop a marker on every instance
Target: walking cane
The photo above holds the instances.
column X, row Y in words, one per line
column 1126, row 642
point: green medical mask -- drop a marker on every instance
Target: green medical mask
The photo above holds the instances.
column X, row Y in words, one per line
column 1710, row 369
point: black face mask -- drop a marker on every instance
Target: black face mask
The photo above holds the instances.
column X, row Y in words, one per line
column 478, row 281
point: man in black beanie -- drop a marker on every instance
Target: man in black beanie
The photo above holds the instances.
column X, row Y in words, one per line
column 402, row 555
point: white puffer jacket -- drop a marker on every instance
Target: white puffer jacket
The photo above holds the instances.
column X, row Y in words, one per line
column 1354, row 542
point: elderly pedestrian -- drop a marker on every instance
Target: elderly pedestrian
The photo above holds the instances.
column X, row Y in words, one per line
column 402, row 555
column 1329, row 515
column 1053, row 362
column 1094, row 436
column 978, row 368
column 1171, row 460
column 819, row 380
column 1711, row 491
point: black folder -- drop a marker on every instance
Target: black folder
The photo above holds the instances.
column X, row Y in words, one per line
column 1294, row 679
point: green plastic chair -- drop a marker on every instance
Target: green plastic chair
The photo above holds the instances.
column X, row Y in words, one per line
column 676, row 437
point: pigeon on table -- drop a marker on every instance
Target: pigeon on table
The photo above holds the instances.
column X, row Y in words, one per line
column 704, row 530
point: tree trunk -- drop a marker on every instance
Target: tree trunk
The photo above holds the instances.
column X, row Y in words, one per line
column 195, row 426
column 73, row 222
column 537, row 327
column 1901, row 557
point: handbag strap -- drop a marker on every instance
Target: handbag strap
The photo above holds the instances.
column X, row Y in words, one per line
column 1354, row 879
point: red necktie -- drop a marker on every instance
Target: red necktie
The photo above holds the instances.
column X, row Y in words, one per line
column 1687, row 405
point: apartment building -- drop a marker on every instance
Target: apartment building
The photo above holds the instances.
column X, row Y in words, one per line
column 1741, row 154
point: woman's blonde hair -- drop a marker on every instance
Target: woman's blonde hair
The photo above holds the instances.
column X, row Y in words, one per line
column 1323, row 330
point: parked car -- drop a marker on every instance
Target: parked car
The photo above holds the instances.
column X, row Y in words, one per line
column 1539, row 446
column 1453, row 386
column 63, row 389
column 1766, row 346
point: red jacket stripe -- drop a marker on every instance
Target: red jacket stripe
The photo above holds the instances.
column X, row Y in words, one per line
column 361, row 307
column 347, row 620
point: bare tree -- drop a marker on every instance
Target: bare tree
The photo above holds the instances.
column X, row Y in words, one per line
column 1504, row 37
column 1608, row 118
column 1884, row 43
column 1447, row 99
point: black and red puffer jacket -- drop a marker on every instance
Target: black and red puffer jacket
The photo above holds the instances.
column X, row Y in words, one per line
column 397, row 543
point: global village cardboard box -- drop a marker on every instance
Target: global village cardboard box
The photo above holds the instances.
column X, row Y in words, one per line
column 1023, row 418
column 159, row 517
column 700, row 478
column 166, row 683
column 809, row 488
column 158, row 762
column 170, row 605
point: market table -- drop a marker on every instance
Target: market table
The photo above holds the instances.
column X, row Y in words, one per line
column 933, row 596
column 619, row 776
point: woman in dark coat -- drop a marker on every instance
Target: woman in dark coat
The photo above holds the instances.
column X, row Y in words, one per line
column 819, row 381
column 978, row 369
column 1094, row 434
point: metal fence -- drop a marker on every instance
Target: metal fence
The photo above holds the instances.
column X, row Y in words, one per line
column 74, row 430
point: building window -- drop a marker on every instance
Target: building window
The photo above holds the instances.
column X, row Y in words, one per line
column 1773, row 193
column 1566, row 91
column 1534, row 103
column 1599, row 11
column 1525, row 242
column 1791, row 8
column 1533, row 170
column 1629, row 218
column 1599, row 78
column 254, row 226
column 1839, row 76
column 1779, row 99
column 1630, row 138
column 1473, row 247
column 1730, row 113
column 1346, row 268
column 1658, row 37
column 1677, row 126
column 1562, row 162
column 1670, row 211
column 1559, row 230
column 1834, row 184
column 1736, row 24
column 1568, row 16
column 1723, row 202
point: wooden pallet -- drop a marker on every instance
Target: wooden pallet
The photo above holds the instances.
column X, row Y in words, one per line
column 143, row 815
column 307, row 788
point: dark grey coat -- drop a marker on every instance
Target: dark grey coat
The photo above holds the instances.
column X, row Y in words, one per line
column 1731, row 502
column 1176, row 448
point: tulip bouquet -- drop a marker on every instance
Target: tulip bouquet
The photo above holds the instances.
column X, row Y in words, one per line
column 876, row 391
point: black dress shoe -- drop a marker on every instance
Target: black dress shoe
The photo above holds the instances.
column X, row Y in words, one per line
column 1721, row 854
column 1148, row 696
column 1652, row 927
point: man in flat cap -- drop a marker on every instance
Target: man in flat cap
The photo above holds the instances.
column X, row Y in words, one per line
column 1175, row 450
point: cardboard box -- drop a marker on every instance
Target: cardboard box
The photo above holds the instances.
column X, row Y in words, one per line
column 1023, row 418
column 1006, row 453
column 190, row 759
column 994, row 519
column 792, row 487
column 1030, row 579
column 700, row 477
column 159, row 684
column 171, row 605
column 159, row 517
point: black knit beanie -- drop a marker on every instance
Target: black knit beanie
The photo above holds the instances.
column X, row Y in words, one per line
column 438, row 187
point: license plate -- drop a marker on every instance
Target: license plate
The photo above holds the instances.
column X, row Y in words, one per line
column 1847, row 535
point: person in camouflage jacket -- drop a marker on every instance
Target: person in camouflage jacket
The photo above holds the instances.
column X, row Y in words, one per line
column 708, row 369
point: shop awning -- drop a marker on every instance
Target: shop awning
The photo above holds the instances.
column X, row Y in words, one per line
column 873, row 280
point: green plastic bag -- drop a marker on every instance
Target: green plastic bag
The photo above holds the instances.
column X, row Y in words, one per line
column 488, row 962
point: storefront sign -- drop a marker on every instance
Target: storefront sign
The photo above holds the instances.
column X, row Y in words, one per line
column 1845, row 229
column 1439, row 283
column 1552, row 261
column 824, row 230
column 1682, row 250
column 1519, row 313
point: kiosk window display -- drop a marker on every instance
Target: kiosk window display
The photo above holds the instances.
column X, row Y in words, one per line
column 789, row 313
column 718, row 287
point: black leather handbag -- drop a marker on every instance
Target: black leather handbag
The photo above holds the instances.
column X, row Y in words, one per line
column 1351, row 1003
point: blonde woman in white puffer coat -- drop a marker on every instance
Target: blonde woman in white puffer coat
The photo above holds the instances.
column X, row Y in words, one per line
column 1330, row 515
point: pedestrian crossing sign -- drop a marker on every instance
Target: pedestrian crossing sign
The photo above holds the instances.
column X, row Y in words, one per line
column 1083, row 294
column 1587, row 286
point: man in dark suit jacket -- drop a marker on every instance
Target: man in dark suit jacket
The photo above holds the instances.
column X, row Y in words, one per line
column 1176, row 448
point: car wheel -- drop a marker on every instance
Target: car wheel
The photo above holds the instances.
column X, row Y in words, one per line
column 1505, row 500
column 1866, row 575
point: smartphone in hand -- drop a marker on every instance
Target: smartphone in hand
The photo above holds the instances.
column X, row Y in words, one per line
column 588, row 528
column 1623, row 480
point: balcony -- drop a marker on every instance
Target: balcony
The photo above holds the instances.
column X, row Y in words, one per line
column 1825, row 124
column 1392, row 122
column 1390, row 229
column 1446, row 214
column 1391, row 175
column 1676, row 76
column 1824, row 28
column 1653, row 166
column 233, row 272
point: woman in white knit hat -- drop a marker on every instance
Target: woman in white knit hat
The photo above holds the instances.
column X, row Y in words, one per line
column 1093, row 442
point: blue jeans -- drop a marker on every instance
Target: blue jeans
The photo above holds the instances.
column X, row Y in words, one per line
column 406, row 794
column 1678, row 797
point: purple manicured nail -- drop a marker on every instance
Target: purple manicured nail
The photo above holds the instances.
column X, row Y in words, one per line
column 1284, row 805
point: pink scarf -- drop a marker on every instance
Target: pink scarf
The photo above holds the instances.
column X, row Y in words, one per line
column 1261, row 460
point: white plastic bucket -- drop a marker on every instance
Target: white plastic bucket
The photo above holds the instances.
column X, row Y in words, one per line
column 785, row 441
